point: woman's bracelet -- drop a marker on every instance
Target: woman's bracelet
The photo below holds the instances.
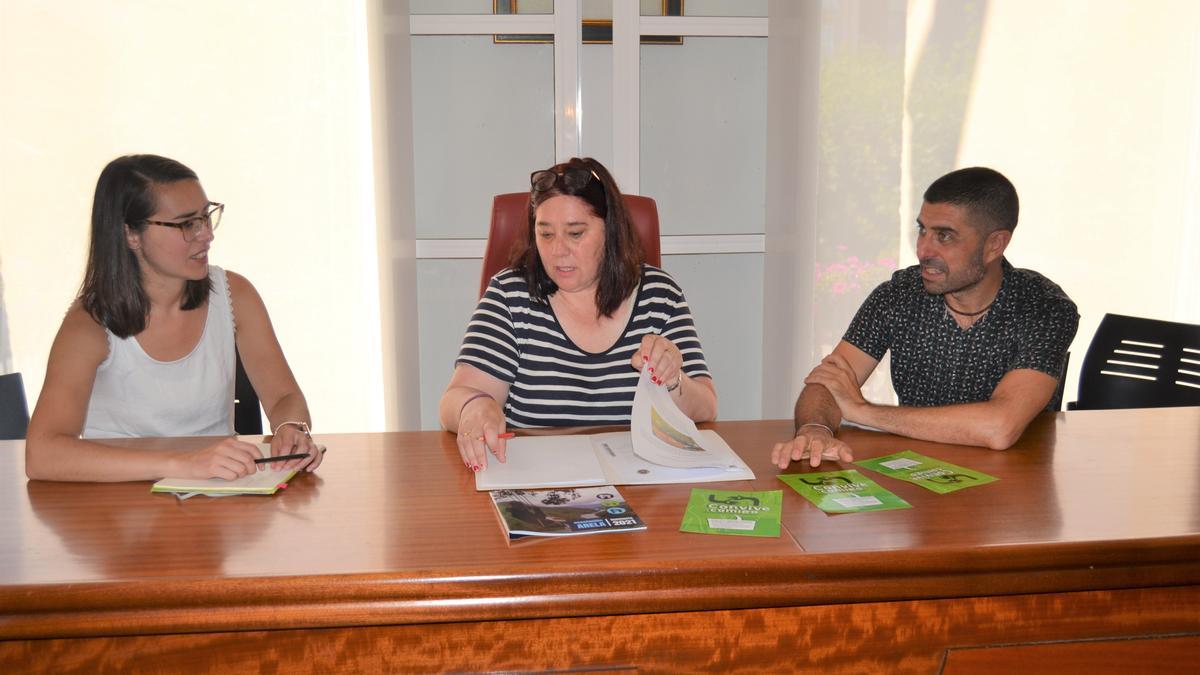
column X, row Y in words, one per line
column 678, row 382
column 303, row 427
column 472, row 397
column 815, row 424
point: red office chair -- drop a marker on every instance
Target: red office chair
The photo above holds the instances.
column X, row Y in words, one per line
column 510, row 217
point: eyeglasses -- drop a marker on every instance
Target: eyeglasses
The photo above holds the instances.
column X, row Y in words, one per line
column 573, row 179
column 192, row 227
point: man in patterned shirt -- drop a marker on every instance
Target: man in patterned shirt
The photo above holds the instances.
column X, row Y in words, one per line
column 977, row 345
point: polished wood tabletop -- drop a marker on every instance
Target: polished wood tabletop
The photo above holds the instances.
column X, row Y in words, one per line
column 391, row 530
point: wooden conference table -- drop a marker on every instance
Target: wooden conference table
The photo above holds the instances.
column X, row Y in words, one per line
column 1086, row 553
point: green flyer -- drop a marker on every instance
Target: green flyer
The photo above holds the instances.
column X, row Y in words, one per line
column 744, row 513
column 843, row 491
column 929, row 473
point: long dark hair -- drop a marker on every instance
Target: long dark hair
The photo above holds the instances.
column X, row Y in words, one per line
column 621, row 268
column 112, row 285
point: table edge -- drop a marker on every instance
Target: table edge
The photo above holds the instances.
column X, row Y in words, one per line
column 175, row 605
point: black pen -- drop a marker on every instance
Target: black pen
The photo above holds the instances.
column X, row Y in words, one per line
column 280, row 458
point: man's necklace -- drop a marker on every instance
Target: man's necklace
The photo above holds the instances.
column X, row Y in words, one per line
column 962, row 313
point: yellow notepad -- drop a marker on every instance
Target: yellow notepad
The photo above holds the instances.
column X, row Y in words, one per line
column 258, row 483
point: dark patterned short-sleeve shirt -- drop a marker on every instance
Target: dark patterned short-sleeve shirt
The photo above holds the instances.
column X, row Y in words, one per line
column 552, row 382
column 935, row 362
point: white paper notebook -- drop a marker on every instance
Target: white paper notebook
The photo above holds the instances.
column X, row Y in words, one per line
column 662, row 446
column 599, row 459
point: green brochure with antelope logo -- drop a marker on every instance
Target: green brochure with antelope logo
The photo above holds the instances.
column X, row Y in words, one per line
column 929, row 473
column 740, row 512
column 843, row 491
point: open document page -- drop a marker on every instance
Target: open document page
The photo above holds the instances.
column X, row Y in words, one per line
column 626, row 466
column 533, row 462
column 664, row 435
column 637, row 457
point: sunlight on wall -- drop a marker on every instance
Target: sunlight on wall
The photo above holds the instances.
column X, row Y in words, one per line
column 1090, row 109
column 269, row 105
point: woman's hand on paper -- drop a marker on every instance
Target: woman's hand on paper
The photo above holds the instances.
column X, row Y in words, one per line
column 661, row 357
column 228, row 458
column 290, row 439
column 481, row 427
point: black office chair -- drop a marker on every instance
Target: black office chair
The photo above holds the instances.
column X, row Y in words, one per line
column 14, row 411
column 247, row 420
column 1140, row 363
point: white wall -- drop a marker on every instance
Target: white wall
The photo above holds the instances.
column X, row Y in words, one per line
column 267, row 101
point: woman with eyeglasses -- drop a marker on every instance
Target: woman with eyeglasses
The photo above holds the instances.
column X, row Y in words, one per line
column 147, row 349
column 560, row 337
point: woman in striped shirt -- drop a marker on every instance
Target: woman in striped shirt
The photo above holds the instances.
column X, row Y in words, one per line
column 560, row 337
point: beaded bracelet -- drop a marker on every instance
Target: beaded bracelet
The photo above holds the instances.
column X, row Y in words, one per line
column 303, row 427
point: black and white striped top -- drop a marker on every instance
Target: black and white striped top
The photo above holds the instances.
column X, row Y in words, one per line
column 552, row 381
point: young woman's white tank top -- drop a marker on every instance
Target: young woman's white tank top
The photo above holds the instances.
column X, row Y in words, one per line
column 135, row 395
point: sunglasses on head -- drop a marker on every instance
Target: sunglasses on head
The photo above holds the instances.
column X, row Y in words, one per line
column 574, row 179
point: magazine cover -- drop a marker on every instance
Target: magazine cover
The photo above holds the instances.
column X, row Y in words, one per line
column 564, row 512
